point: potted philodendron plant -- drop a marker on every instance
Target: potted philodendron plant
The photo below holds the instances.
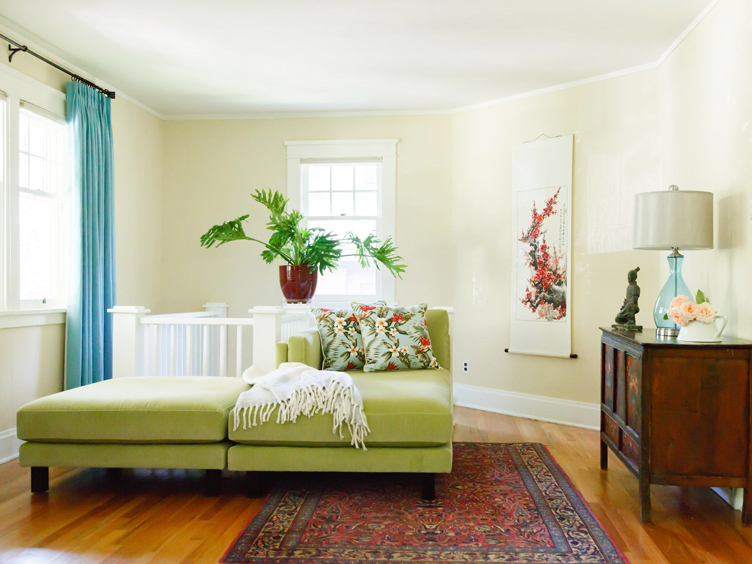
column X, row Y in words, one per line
column 307, row 251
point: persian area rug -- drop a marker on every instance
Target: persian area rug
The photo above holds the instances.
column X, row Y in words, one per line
column 502, row 503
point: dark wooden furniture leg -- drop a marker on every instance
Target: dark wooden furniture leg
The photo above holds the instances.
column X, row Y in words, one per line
column 645, row 515
column 255, row 484
column 604, row 455
column 40, row 479
column 747, row 507
column 429, row 487
column 213, row 482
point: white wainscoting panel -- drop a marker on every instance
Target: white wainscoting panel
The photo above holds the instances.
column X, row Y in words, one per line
column 552, row 410
column 9, row 445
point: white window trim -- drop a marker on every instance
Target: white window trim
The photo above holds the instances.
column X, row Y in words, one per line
column 384, row 150
column 19, row 89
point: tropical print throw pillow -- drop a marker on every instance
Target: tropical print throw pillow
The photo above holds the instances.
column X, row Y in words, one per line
column 395, row 338
column 341, row 343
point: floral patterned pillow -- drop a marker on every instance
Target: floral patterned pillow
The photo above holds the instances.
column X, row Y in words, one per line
column 395, row 338
column 341, row 342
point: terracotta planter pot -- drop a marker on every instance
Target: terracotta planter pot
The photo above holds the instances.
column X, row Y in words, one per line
column 298, row 283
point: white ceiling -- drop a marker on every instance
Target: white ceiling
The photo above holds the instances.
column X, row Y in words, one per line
column 254, row 56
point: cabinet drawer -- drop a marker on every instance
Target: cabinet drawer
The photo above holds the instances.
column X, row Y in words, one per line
column 634, row 393
column 620, row 367
column 630, row 449
column 607, row 360
column 611, row 429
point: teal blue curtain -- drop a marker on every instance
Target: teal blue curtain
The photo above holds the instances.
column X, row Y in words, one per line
column 92, row 237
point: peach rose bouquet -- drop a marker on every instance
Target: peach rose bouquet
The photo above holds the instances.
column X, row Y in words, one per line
column 683, row 311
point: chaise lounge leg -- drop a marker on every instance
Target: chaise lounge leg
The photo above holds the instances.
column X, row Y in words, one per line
column 255, row 484
column 40, row 479
column 213, row 482
column 429, row 487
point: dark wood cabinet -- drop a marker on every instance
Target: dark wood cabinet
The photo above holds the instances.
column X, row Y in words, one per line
column 677, row 413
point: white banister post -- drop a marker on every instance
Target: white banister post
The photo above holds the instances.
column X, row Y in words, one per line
column 267, row 332
column 216, row 356
column 127, row 340
column 219, row 308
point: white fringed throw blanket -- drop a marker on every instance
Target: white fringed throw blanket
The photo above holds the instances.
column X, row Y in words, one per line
column 296, row 389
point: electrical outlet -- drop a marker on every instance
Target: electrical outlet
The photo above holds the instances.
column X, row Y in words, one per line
column 466, row 367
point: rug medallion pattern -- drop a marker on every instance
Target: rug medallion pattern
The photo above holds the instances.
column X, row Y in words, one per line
column 507, row 503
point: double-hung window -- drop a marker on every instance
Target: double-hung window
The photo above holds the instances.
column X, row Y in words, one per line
column 346, row 186
column 34, row 195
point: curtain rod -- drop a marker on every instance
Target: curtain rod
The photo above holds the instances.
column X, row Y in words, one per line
column 16, row 47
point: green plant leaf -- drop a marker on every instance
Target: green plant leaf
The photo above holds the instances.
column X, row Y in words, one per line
column 700, row 298
column 371, row 249
column 665, row 316
column 301, row 246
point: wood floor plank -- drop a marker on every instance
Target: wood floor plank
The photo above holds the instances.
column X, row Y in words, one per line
column 162, row 516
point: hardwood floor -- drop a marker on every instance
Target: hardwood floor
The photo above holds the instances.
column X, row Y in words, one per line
column 162, row 516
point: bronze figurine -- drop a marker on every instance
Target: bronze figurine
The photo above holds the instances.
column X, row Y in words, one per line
column 625, row 319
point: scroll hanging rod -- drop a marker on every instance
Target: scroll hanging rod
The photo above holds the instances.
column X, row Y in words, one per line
column 543, row 135
column 14, row 47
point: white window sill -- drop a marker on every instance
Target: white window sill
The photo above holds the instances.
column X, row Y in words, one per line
column 32, row 317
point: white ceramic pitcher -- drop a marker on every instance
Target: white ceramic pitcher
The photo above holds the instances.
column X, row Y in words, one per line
column 697, row 332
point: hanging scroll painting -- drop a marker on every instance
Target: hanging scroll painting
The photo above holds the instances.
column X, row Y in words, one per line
column 540, row 315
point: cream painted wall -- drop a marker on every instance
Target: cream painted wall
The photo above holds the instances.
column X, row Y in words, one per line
column 138, row 138
column 686, row 122
column 706, row 109
column 616, row 154
column 138, row 144
column 32, row 358
column 31, row 366
column 211, row 167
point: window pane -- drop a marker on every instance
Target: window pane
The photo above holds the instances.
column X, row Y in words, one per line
column 23, row 132
column 42, row 154
column 318, row 203
column 318, row 178
column 342, row 203
column 349, row 279
column 41, row 219
column 365, row 203
column 23, row 170
column 342, row 177
column 361, row 227
column 37, row 229
column 365, row 177
column 37, row 174
column 37, row 138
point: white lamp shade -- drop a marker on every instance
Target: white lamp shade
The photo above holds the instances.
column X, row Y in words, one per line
column 673, row 219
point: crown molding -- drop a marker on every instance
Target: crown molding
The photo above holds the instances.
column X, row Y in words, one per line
column 557, row 88
column 49, row 51
column 43, row 48
column 303, row 115
column 689, row 29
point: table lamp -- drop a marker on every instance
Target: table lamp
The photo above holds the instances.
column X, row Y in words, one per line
column 670, row 220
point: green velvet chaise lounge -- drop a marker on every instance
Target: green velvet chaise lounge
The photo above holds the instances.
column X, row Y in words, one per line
column 185, row 422
column 409, row 413
column 141, row 422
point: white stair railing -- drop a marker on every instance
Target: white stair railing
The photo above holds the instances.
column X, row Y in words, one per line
column 198, row 343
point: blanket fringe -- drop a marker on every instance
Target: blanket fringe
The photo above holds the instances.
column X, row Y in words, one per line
column 335, row 399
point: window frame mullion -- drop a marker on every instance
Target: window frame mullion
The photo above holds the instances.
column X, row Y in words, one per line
column 28, row 94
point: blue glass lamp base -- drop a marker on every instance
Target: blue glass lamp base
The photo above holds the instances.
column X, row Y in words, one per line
column 675, row 286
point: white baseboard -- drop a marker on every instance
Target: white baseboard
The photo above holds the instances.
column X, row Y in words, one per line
column 542, row 408
column 9, row 445
column 552, row 410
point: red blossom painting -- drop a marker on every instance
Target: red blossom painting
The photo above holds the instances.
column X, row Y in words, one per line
column 544, row 292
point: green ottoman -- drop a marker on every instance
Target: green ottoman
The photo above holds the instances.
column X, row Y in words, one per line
column 142, row 422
